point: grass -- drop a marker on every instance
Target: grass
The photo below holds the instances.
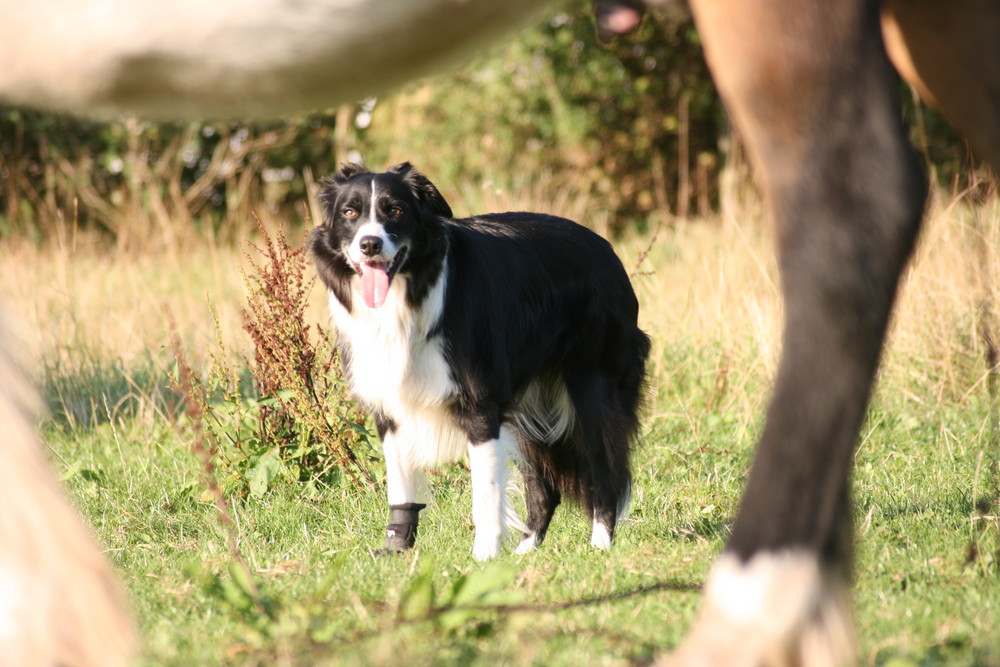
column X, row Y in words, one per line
column 927, row 590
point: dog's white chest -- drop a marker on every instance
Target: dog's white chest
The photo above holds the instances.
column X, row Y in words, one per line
column 394, row 366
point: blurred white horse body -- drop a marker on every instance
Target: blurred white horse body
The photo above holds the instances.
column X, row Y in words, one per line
column 229, row 59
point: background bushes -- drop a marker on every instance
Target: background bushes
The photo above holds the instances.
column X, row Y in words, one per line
column 627, row 132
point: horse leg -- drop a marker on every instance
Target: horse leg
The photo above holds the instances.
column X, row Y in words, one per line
column 810, row 87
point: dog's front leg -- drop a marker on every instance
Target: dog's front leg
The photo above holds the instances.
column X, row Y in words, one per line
column 489, row 484
column 404, row 482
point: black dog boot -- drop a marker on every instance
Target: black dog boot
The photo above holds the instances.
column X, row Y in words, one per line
column 401, row 534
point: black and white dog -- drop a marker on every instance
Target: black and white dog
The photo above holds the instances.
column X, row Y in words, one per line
column 510, row 336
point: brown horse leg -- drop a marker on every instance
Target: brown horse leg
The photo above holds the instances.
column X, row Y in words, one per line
column 809, row 86
column 951, row 52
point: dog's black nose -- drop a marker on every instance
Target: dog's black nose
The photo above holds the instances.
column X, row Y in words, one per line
column 370, row 245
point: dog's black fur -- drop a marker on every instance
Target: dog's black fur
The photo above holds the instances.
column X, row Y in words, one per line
column 530, row 301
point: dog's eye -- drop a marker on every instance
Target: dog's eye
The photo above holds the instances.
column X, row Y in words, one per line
column 349, row 212
column 395, row 211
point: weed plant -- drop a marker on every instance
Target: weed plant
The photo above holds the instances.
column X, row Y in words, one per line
column 297, row 424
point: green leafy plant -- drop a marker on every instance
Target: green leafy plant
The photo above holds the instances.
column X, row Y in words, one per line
column 305, row 416
column 468, row 603
column 291, row 420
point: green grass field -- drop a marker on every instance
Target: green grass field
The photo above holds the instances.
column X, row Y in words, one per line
column 927, row 588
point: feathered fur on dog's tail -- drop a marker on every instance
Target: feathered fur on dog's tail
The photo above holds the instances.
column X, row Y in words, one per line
column 60, row 603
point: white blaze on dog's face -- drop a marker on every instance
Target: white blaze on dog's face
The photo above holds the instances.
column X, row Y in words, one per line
column 374, row 251
column 372, row 224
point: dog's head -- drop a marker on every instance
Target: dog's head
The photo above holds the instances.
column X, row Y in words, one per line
column 377, row 225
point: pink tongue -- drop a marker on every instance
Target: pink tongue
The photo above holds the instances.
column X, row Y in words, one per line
column 374, row 285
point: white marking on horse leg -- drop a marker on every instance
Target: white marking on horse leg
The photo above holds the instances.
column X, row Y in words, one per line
column 600, row 534
column 405, row 480
column 756, row 591
column 489, row 484
column 779, row 608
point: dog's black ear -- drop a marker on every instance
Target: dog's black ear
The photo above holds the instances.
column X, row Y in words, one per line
column 349, row 170
column 425, row 191
column 330, row 185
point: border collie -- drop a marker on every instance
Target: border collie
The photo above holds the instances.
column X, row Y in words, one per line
column 509, row 336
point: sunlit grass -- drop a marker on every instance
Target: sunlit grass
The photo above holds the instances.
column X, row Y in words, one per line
column 927, row 567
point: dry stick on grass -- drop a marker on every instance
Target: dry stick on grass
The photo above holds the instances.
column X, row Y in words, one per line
column 986, row 508
column 676, row 586
column 435, row 612
column 645, row 253
column 194, row 406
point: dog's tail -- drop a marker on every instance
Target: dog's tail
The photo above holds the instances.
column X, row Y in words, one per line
column 60, row 603
column 514, row 524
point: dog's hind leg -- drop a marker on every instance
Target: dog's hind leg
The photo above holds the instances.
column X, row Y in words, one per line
column 609, row 500
column 490, row 512
column 620, row 394
column 602, row 439
column 541, row 494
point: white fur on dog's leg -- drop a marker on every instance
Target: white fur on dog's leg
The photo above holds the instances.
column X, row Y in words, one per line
column 489, row 482
column 529, row 543
column 405, row 482
column 600, row 535
column 777, row 610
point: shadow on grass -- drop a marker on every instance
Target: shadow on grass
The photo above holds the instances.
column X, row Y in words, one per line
column 957, row 648
column 95, row 392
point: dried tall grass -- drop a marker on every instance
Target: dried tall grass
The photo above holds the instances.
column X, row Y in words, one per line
column 704, row 283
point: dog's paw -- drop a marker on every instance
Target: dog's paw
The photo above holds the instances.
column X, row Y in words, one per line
column 600, row 536
column 778, row 610
column 386, row 552
column 486, row 547
column 529, row 543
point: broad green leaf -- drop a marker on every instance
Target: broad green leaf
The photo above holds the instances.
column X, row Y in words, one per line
column 418, row 598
